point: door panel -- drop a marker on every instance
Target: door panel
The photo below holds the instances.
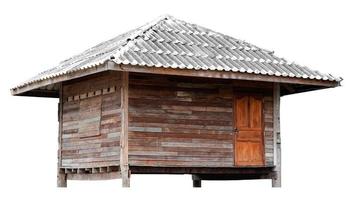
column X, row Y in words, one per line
column 250, row 154
column 248, row 142
column 255, row 112
column 242, row 112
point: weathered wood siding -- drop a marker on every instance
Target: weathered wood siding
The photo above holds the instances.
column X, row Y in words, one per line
column 268, row 130
column 187, row 122
column 178, row 121
column 173, row 121
column 91, row 122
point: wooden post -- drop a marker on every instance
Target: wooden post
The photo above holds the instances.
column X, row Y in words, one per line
column 197, row 182
column 125, row 173
column 276, row 176
column 61, row 179
column 61, row 176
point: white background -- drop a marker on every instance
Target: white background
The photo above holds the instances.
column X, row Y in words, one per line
column 316, row 126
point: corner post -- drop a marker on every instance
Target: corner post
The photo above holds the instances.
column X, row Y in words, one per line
column 125, row 172
column 276, row 176
column 197, row 182
column 61, row 176
column 61, row 179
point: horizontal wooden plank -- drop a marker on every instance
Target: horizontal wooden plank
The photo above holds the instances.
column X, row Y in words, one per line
column 187, row 159
column 194, row 127
column 181, row 154
column 164, row 163
column 166, row 120
column 180, row 135
column 91, row 164
column 89, row 159
column 180, row 114
column 94, row 144
column 100, row 176
column 180, row 150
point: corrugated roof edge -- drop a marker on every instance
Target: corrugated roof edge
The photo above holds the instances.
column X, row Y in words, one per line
column 112, row 65
column 137, row 34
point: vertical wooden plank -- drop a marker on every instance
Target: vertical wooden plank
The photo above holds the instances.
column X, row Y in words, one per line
column 276, row 177
column 125, row 175
column 61, row 176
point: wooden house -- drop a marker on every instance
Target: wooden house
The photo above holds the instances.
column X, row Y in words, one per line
column 172, row 97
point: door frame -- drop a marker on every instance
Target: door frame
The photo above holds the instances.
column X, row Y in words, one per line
column 235, row 97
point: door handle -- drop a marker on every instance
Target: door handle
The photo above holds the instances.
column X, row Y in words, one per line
column 235, row 130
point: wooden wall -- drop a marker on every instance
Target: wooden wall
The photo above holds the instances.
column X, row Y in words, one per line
column 176, row 121
column 173, row 121
column 91, row 122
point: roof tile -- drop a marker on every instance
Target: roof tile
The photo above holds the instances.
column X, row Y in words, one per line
column 169, row 42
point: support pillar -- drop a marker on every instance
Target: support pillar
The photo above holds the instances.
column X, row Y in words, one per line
column 61, row 176
column 61, row 180
column 197, row 182
column 125, row 172
column 276, row 175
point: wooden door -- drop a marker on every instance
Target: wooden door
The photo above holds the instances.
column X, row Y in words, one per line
column 248, row 140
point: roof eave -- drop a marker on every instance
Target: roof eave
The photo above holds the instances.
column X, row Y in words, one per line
column 226, row 75
column 32, row 88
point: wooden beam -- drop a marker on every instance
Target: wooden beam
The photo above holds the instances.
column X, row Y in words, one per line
column 125, row 174
column 276, row 177
column 289, row 88
column 41, row 93
column 232, row 176
column 200, row 170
